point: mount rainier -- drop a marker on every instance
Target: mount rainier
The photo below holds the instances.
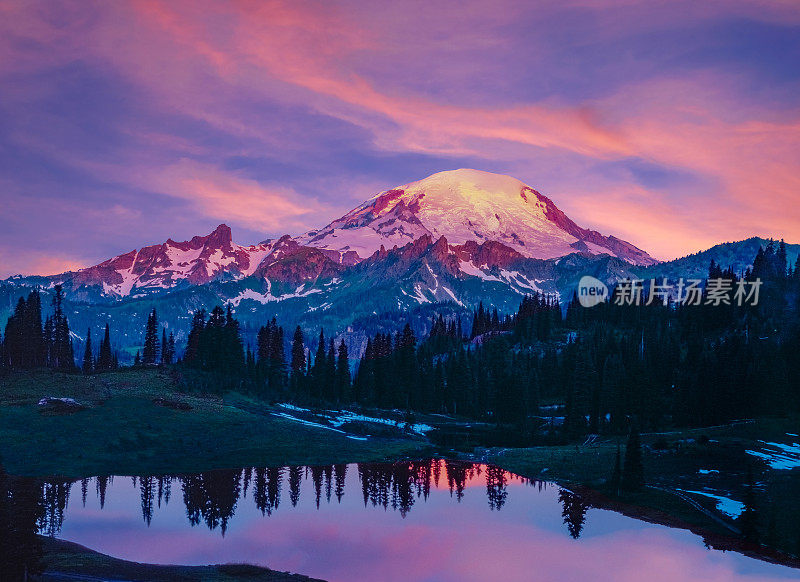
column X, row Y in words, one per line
column 444, row 243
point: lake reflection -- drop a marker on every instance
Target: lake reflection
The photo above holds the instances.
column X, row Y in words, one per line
column 429, row 520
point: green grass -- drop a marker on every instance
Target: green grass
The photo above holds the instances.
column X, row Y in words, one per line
column 122, row 430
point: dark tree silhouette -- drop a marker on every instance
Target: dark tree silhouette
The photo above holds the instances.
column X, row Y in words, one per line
column 573, row 510
column 633, row 471
column 150, row 352
column 88, row 359
column 21, row 509
column 105, row 359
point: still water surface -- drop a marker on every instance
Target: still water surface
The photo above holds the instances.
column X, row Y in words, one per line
column 426, row 521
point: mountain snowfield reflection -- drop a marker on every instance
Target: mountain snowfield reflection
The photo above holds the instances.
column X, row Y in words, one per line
column 432, row 520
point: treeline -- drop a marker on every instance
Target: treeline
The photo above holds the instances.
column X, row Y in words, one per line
column 28, row 343
column 535, row 372
column 480, row 375
column 216, row 349
column 685, row 365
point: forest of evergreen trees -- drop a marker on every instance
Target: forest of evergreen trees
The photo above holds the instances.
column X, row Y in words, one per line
column 602, row 369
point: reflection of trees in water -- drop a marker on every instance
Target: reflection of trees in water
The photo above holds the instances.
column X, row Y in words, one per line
column 147, row 489
column 573, row 510
column 295, row 478
column 458, row 472
column 101, row 484
column 54, row 497
column 339, row 471
column 153, row 491
column 211, row 498
column 496, row 487
column 21, row 512
column 396, row 484
column 267, row 489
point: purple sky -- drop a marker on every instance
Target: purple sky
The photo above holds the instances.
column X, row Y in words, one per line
column 674, row 125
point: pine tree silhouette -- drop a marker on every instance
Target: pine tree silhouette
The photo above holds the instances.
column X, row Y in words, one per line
column 88, row 362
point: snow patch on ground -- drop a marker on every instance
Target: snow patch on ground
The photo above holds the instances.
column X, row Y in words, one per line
column 288, row 416
column 729, row 507
column 340, row 417
column 779, row 455
column 419, row 296
column 268, row 297
column 293, row 407
column 453, row 295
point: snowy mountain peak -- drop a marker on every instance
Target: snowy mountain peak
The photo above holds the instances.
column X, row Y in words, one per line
column 166, row 265
column 468, row 221
column 467, row 205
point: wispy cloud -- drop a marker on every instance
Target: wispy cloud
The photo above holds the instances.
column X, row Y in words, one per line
column 36, row 262
column 275, row 116
column 226, row 196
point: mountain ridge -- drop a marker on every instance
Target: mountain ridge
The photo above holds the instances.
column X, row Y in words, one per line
column 465, row 205
column 291, row 278
column 403, row 284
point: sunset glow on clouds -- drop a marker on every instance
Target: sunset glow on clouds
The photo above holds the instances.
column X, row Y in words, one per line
column 673, row 125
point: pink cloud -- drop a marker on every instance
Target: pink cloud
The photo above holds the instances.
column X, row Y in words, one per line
column 227, row 196
column 193, row 58
column 679, row 124
column 36, row 262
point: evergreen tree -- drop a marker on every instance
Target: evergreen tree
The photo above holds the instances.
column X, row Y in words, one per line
column 88, row 360
column 271, row 358
column 277, row 359
column 319, row 369
column 105, row 359
column 298, row 364
column 150, row 352
column 60, row 350
column 616, row 476
column 165, row 359
column 573, row 511
column 192, row 355
column 330, row 372
column 780, row 259
column 584, row 381
column 216, row 346
column 24, row 346
column 633, row 471
column 48, row 333
column 342, row 373
column 170, row 352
